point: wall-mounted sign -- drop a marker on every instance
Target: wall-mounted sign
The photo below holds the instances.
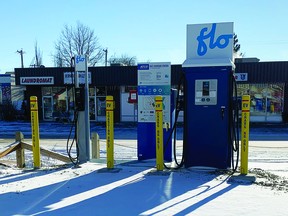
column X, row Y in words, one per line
column 241, row 76
column 36, row 80
column 69, row 77
column 5, row 78
column 132, row 96
column 153, row 79
column 210, row 41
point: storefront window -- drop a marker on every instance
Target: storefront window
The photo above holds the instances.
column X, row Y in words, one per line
column 55, row 101
column 58, row 103
column 101, row 93
column 60, row 96
column 266, row 101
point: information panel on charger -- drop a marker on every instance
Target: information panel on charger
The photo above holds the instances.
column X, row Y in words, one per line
column 153, row 79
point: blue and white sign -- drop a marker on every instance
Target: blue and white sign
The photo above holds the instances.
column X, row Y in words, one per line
column 80, row 63
column 69, row 77
column 209, row 41
column 153, row 79
column 241, row 77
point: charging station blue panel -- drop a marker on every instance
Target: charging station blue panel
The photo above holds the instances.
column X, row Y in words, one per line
column 146, row 136
column 207, row 116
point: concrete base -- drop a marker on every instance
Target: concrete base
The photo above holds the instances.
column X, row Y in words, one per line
column 246, row 179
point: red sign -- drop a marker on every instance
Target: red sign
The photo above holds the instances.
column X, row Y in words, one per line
column 132, row 96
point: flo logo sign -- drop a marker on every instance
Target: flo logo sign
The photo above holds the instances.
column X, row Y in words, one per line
column 80, row 63
column 212, row 40
column 221, row 41
column 80, row 59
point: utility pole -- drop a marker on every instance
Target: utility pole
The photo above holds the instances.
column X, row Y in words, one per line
column 21, row 54
column 106, row 52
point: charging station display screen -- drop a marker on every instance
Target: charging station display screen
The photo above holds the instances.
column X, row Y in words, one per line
column 206, row 92
column 205, row 88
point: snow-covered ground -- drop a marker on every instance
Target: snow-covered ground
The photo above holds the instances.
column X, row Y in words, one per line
column 136, row 188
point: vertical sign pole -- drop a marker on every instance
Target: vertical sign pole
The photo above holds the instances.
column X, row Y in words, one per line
column 86, row 115
column 110, row 131
column 245, row 133
column 159, row 133
column 35, row 131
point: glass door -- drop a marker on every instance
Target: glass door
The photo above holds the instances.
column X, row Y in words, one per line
column 92, row 108
column 101, row 108
column 47, row 102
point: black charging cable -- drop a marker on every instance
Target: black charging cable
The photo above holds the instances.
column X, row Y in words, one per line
column 234, row 128
column 178, row 108
column 70, row 144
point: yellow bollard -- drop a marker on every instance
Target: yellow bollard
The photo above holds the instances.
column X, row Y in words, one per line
column 35, row 131
column 245, row 123
column 159, row 133
column 110, row 131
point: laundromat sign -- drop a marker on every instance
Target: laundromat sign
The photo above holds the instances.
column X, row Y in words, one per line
column 36, row 80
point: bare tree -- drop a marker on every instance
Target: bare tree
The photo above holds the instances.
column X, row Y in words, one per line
column 123, row 60
column 58, row 60
column 38, row 56
column 79, row 40
column 236, row 46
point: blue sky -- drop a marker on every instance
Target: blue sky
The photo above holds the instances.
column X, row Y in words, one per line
column 151, row 30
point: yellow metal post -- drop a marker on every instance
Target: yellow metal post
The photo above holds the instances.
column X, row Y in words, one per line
column 159, row 133
column 245, row 124
column 35, row 131
column 110, row 131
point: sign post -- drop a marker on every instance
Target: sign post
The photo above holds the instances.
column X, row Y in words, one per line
column 159, row 133
column 245, row 133
column 83, row 120
column 35, row 131
column 110, row 131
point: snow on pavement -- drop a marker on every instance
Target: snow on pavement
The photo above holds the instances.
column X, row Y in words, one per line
column 136, row 188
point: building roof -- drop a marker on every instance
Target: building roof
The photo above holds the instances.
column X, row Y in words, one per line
column 260, row 72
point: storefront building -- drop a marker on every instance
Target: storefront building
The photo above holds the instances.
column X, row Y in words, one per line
column 5, row 89
column 267, row 85
column 266, row 82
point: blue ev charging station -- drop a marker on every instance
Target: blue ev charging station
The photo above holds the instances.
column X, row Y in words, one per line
column 154, row 79
column 208, row 95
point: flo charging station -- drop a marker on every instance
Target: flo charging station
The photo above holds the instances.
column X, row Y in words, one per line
column 81, row 116
column 154, row 79
column 208, row 95
column 209, row 136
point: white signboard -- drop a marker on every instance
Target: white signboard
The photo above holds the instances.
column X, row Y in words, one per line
column 69, row 77
column 210, row 41
column 153, row 79
column 80, row 63
column 36, row 80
